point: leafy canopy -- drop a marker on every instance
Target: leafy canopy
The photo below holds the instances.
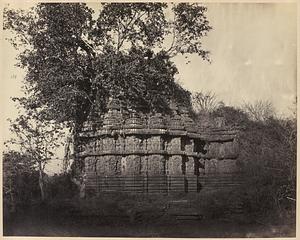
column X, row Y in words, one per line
column 75, row 61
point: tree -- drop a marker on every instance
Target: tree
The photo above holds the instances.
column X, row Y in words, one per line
column 260, row 110
column 37, row 139
column 205, row 102
column 74, row 62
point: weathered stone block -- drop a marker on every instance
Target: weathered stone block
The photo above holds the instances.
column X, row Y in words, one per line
column 120, row 144
column 154, row 143
column 134, row 121
column 156, row 121
column 117, row 165
column 211, row 166
column 156, row 165
column 131, row 165
column 90, row 146
column 189, row 145
column 112, row 119
column 108, row 165
column 109, row 144
column 190, row 166
column 90, row 165
column 176, row 123
column 175, row 165
column 99, row 145
column 174, row 144
column 133, row 143
column 102, row 166
column 144, row 165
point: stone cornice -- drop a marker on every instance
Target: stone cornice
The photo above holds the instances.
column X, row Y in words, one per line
column 220, row 134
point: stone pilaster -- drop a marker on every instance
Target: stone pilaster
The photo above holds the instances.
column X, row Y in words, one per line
column 190, row 166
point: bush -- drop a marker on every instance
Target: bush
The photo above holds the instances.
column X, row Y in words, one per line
column 61, row 187
column 20, row 181
column 268, row 160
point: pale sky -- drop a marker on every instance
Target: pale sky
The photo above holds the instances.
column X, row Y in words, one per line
column 253, row 52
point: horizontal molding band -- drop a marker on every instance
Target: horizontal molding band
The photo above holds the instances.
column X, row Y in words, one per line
column 140, row 152
column 213, row 135
column 153, row 152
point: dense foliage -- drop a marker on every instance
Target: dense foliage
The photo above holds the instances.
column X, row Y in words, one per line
column 268, row 156
column 75, row 61
column 20, row 180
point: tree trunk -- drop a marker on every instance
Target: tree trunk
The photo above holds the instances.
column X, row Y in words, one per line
column 78, row 176
column 41, row 182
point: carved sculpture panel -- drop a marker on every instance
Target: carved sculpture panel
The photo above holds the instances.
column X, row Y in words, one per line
column 154, row 143
column 175, row 165
column 109, row 144
column 131, row 165
column 156, row 165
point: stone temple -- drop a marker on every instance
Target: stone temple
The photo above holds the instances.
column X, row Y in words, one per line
column 155, row 153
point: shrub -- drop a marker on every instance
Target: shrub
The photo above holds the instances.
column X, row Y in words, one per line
column 60, row 187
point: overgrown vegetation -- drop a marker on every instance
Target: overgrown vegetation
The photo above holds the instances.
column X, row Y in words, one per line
column 75, row 62
column 268, row 147
column 75, row 59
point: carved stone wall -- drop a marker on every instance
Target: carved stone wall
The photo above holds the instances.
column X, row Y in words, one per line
column 156, row 145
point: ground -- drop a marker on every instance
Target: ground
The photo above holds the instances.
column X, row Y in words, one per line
column 46, row 220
